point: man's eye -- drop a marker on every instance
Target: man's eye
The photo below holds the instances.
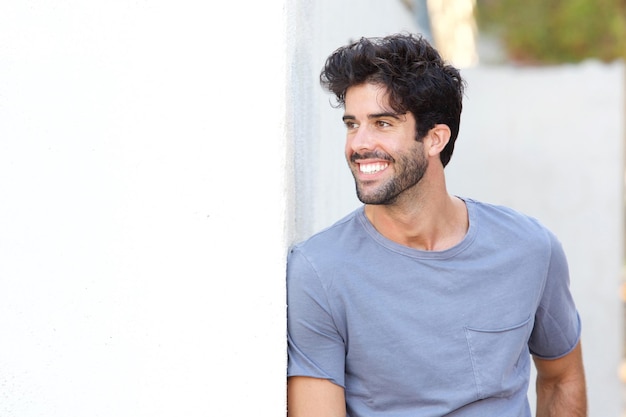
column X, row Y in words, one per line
column 351, row 125
column 382, row 123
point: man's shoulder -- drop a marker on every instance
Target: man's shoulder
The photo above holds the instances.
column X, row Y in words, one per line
column 505, row 219
column 502, row 213
column 333, row 236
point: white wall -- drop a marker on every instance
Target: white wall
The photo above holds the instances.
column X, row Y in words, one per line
column 143, row 204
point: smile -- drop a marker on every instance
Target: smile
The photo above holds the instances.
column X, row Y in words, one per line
column 373, row 167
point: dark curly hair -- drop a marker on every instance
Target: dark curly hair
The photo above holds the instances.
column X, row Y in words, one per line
column 414, row 74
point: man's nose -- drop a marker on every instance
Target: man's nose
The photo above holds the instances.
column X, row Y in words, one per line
column 361, row 139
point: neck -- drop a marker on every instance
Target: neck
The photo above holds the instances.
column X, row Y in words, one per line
column 432, row 220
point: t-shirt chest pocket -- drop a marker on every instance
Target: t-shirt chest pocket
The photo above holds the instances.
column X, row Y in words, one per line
column 499, row 358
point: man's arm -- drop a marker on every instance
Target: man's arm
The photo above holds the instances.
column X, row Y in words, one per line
column 561, row 390
column 314, row 397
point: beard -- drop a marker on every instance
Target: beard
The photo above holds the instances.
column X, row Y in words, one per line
column 409, row 170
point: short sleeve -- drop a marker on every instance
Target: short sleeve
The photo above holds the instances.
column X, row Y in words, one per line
column 557, row 326
column 315, row 346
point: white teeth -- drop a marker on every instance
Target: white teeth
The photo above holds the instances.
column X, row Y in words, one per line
column 372, row 168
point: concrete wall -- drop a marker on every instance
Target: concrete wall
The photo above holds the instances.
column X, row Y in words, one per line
column 143, row 176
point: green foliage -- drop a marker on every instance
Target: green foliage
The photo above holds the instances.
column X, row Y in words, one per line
column 556, row 31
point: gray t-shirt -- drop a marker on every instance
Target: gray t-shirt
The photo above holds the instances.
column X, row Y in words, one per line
column 430, row 333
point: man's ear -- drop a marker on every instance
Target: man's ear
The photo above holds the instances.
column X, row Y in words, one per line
column 438, row 137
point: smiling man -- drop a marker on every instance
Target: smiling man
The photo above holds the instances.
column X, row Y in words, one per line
column 422, row 303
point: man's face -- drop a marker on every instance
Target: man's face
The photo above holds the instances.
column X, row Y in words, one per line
column 381, row 150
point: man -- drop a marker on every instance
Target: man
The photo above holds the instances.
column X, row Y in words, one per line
column 421, row 303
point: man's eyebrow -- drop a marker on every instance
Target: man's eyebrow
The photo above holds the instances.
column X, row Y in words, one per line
column 374, row 116
column 384, row 114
